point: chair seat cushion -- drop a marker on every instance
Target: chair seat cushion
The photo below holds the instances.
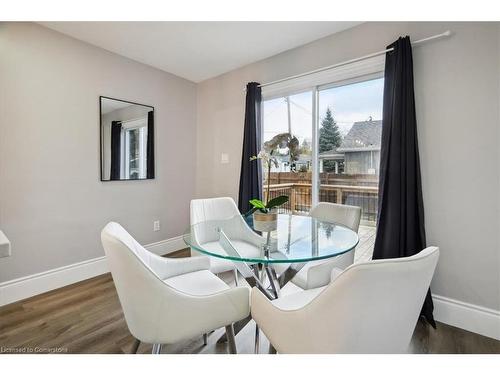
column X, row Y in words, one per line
column 290, row 288
column 318, row 273
column 199, row 283
column 335, row 273
column 292, row 301
column 217, row 265
column 302, row 277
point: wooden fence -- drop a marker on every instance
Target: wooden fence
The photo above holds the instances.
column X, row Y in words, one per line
column 325, row 178
column 300, row 197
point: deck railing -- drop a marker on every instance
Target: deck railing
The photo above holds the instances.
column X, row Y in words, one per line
column 300, row 198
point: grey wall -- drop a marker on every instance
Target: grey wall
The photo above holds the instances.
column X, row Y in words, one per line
column 52, row 203
column 457, row 96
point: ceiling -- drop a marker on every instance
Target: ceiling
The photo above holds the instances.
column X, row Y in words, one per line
column 198, row 50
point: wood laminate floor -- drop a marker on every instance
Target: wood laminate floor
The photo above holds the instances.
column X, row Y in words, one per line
column 86, row 317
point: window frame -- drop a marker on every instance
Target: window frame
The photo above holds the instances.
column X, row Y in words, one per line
column 365, row 70
column 127, row 127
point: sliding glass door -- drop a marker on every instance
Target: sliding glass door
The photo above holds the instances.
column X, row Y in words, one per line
column 339, row 128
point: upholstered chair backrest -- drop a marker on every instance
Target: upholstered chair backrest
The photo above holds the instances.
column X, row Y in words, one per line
column 371, row 307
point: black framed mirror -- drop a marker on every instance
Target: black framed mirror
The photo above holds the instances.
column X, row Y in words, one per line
column 127, row 140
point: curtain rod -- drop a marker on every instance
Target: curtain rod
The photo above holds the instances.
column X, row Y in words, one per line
column 437, row 36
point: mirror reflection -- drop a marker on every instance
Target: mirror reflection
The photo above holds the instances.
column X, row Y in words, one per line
column 127, row 140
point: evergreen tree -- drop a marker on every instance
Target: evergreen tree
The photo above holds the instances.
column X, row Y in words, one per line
column 305, row 148
column 329, row 134
column 329, row 138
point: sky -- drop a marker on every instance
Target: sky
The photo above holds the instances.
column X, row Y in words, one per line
column 349, row 104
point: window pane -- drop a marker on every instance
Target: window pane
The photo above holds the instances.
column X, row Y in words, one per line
column 136, row 148
column 290, row 114
column 350, row 129
column 133, row 156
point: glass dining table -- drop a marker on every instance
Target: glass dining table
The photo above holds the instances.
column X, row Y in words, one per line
column 268, row 260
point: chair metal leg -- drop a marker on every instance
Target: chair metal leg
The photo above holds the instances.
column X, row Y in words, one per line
column 205, row 339
column 156, row 349
column 272, row 284
column 135, row 346
column 237, row 327
column 257, row 339
column 235, row 276
column 230, row 339
column 272, row 349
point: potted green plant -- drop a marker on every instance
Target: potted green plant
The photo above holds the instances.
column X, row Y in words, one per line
column 265, row 216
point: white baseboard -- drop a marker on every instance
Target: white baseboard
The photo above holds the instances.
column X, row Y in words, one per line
column 29, row 286
column 167, row 246
column 467, row 316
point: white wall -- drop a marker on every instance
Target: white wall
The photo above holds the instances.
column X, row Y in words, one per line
column 52, row 202
column 457, row 98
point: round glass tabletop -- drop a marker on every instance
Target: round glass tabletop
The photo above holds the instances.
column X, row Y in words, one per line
column 295, row 239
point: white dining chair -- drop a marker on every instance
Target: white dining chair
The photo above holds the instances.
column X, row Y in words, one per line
column 370, row 307
column 315, row 274
column 243, row 238
column 169, row 300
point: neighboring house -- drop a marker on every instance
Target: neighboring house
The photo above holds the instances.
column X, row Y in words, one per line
column 334, row 155
column 303, row 164
column 360, row 149
column 359, row 152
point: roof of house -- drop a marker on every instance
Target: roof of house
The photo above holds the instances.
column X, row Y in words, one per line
column 331, row 155
column 363, row 136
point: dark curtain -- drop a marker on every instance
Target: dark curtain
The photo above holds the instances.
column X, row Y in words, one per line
column 150, row 173
column 116, row 134
column 251, row 174
column 400, row 228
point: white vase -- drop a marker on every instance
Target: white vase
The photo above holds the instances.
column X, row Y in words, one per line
column 265, row 222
